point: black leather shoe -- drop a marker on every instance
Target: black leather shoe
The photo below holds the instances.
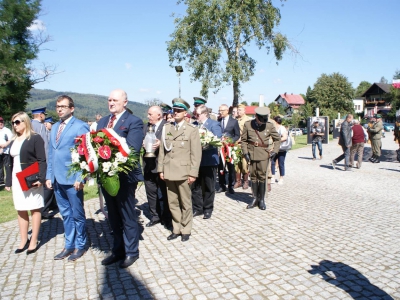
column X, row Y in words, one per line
column 128, row 261
column 372, row 158
column 63, row 254
column 78, row 253
column 231, row 190
column 207, row 215
column 197, row 213
column 172, row 236
column 19, row 250
column 152, row 223
column 33, row 250
column 221, row 189
column 376, row 161
column 111, row 259
column 185, row 237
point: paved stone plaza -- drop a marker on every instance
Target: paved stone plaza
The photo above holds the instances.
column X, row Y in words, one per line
column 326, row 234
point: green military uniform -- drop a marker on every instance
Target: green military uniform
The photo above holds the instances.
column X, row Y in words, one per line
column 180, row 158
column 242, row 167
column 375, row 132
column 255, row 143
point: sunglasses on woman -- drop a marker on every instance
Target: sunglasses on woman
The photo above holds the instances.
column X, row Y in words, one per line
column 16, row 122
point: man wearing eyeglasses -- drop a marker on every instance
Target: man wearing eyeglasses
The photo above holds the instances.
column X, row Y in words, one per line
column 67, row 188
column 178, row 164
column 230, row 130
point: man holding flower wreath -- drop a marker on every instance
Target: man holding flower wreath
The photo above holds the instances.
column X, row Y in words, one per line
column 121, row 208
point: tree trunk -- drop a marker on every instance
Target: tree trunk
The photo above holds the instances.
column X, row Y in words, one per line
column 235, row 102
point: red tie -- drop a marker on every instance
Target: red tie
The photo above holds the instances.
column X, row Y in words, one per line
column 111, row 122
column 60, row 129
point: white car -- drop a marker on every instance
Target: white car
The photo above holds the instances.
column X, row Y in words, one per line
column 296, row 131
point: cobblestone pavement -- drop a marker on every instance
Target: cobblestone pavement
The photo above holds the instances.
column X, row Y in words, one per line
column 326, row 234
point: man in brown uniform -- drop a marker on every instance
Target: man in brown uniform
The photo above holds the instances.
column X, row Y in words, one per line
column 255, row 142
column 178, row 164
column 242, row 167
column 375, row 133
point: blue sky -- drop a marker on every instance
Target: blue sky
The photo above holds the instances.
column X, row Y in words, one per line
column 102, row 45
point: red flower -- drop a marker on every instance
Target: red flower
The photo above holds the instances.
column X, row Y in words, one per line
column 105, row 152
column 77, row 139
column 98, row 139
column 81, row 151
column 115, row 142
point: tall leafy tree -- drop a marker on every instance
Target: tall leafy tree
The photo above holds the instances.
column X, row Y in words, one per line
column 333, row 94
column 362, row 88
column 214, row 35
column 19, row 47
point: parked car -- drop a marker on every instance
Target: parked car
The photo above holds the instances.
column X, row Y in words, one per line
column 388, row 127
column 296, row 131
column 304, row 130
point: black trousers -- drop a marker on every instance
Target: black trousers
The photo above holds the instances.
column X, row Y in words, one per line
column 153, row 184
column 231, row 173
column 50, row 202
column 123, row 219
column 204, row 202
column 4, row 164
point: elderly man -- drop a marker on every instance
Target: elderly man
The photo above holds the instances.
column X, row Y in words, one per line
column 178, row 164
column 230, row 129
column 345, row 142
column 359, row 137
column 203, row 201
column 242, row 167
column 255, row 143
column 121, row 208
column 375, row 132
column 152, row 181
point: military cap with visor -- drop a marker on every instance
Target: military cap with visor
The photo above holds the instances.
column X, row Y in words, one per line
column 179, row 103
column 262, row 114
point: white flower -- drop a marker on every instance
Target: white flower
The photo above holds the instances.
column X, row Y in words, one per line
column 120, row 158
column 83, row 165
column 115, row 164
column 75, row 156
column 112, row 173
column 106, row 166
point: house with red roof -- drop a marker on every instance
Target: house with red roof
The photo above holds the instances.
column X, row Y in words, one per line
column 290, row 102
column 250, row 111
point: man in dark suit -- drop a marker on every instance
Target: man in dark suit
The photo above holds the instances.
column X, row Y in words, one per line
column 121, row 208
column 208, row 167
column 152, row 180
column 230, row 129
column 68, row 189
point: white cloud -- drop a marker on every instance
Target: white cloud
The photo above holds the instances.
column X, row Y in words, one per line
column 143, row 90
column 37, row 25
column 262, row 71
column 128, row 66
column 277, row 81
column 158, row 92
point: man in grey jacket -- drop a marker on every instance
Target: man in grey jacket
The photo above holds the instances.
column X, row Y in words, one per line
column 345, row 142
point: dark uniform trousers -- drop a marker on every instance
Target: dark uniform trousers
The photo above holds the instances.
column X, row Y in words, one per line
column 203, row 189
column 376, row 146
column 259, row 170
column 153, row 182
column 180, row 204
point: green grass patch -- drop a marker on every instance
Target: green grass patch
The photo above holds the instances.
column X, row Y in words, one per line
column 301, row 141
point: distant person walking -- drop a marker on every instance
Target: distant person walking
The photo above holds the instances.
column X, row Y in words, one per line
column 345, row 142
column 360, row 136
column 281, row 155
column 317, row 134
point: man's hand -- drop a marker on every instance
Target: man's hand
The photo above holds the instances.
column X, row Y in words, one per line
column 162, row 176
column 48, row 184
column 156, row 144
column 78, row 186
column 37, row 184
column 191, row 179
column 272, row 155
column 247, row 158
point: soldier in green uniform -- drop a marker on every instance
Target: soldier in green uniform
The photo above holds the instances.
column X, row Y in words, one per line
column 178, row 164
column 375, row 132
column 255, row 143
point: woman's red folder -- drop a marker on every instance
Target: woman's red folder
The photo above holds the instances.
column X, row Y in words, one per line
column 32, row 169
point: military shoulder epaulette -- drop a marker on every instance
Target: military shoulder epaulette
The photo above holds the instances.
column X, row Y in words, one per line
column 192, row 125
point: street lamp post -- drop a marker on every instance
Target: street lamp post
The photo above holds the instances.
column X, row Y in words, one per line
column 179, row 70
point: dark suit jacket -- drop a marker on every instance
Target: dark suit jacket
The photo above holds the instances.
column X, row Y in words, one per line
column 210, row 156
column 150, row 164
column 32, row 151
column 131, row 128
column 232, row 129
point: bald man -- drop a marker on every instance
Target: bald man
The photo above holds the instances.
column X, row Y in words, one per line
column 121, row 208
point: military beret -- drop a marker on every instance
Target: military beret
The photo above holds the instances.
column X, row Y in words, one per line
column 180, row 104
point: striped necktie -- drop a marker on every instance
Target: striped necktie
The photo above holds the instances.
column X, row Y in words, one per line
column 111, row 122
column 60, row 130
